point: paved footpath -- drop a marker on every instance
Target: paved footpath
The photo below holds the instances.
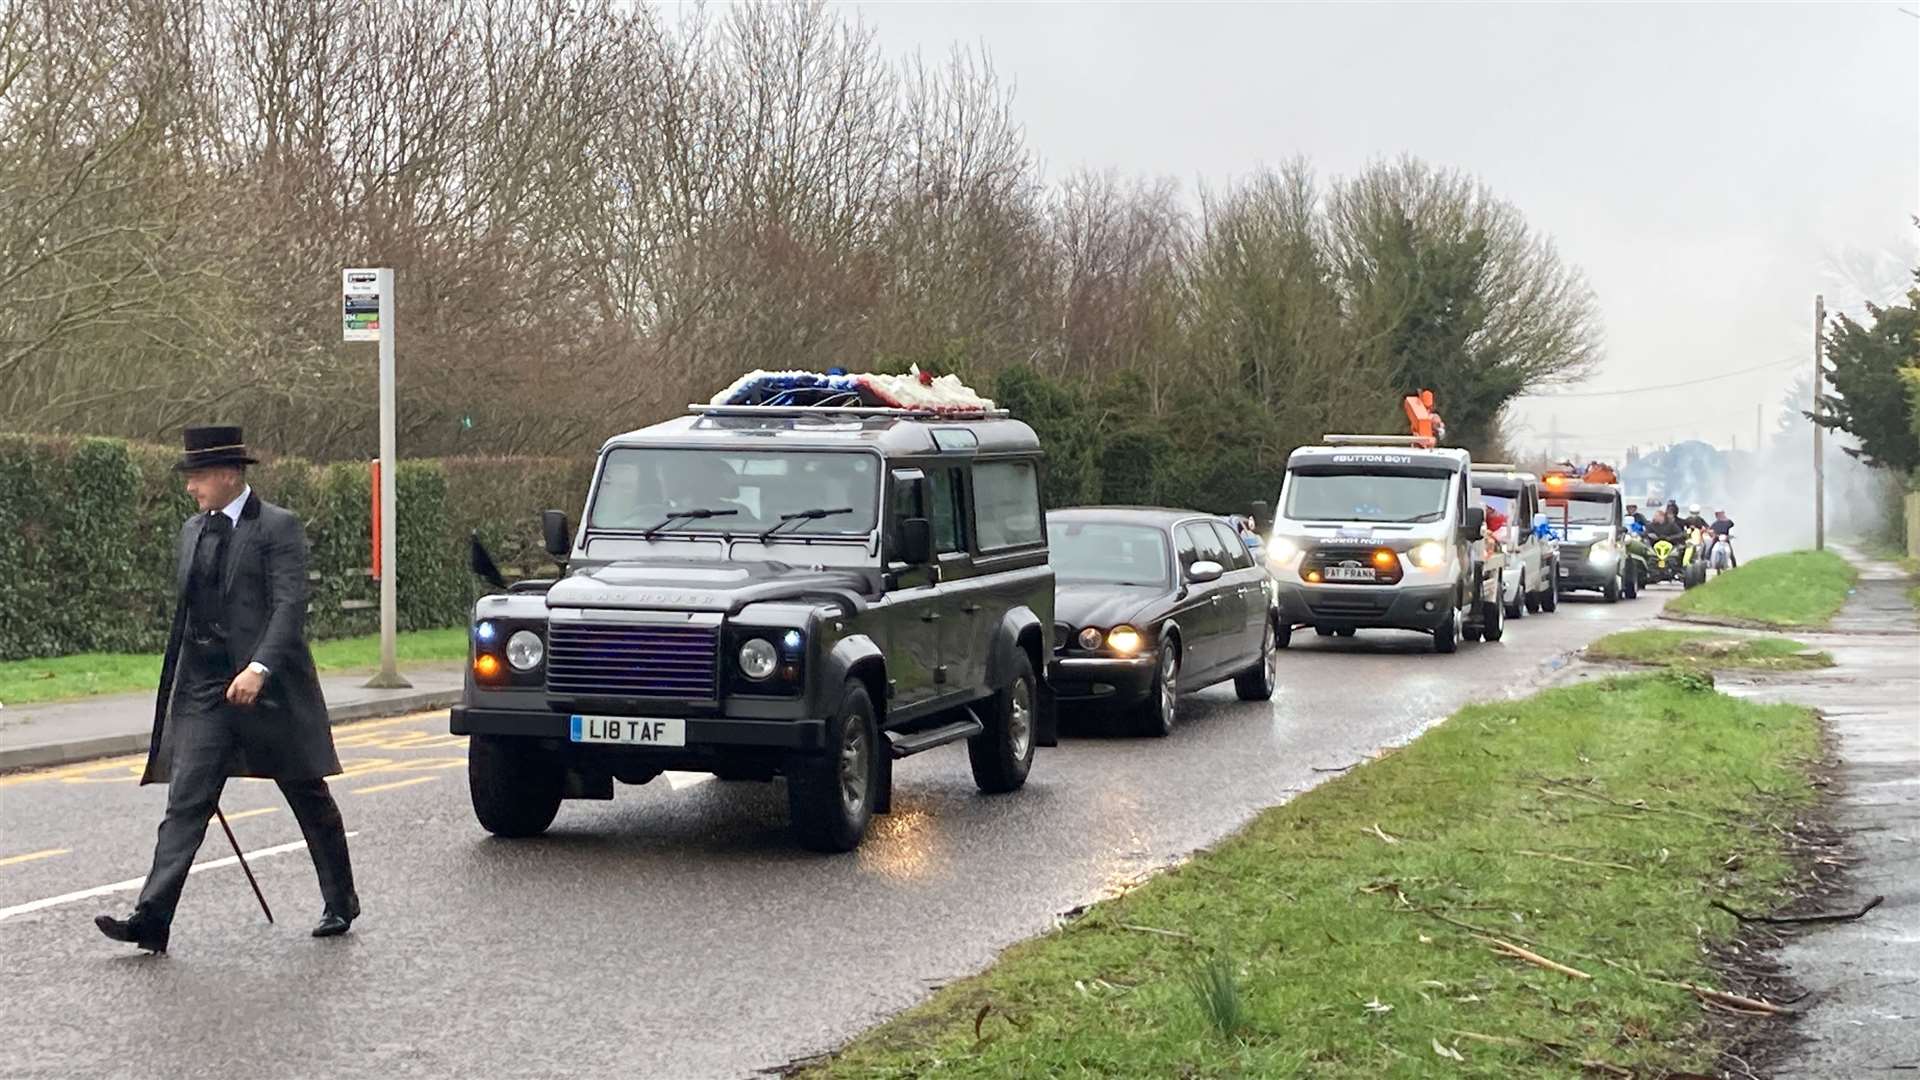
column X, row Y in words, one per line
column 63, row 732
column 1864, row 975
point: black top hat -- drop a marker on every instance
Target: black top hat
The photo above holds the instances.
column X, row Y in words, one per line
column 212, row 447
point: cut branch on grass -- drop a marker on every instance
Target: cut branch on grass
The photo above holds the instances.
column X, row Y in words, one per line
column 1155, row 930
column 1721, row 997
column 1577, row 862
column 1375, row 831
column 1533, row 958
column 1797, row 920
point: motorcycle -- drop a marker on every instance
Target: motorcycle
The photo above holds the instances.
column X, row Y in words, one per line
column 1694, row 558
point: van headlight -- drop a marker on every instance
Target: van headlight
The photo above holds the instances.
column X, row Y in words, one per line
column 525, row 650
column 1601, row 552
column 758, row 659
column 1282, row 549
column 1428, row 554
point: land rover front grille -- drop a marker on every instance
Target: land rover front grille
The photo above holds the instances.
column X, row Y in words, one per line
column 632, row 660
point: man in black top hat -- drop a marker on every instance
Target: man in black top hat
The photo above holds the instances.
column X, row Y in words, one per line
column 238, row 692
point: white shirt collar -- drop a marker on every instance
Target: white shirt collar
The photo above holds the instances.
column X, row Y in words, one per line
column 232, row 509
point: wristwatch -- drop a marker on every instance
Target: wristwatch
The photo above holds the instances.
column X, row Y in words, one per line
column 257, row 668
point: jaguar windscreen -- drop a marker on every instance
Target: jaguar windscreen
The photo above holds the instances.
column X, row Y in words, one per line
column 1108, row 553
column 709, row 491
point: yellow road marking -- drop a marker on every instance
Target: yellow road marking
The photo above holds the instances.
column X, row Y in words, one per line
column 252, row 813
column 390, row 787
column 30, row 856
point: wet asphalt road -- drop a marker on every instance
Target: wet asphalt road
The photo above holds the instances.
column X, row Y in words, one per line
column 674, row 932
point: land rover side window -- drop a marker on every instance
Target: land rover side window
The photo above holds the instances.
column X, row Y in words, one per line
column 948, row 513
column 1007, row 501
column 740, row 492
column 1238, row 557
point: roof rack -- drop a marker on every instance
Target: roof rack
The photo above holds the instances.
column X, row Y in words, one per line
column 1422, row 441
column 861, row 412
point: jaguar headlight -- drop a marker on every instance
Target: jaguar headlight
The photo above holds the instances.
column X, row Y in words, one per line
column 525, row 650
column 1124, row 639
column 758, row 659
column 1428, row 555
column 1089, row 638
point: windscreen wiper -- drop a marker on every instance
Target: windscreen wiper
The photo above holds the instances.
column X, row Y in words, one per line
column 700, row 514
column 814, row 514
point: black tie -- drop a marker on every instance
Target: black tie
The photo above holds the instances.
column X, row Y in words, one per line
column 203, row 591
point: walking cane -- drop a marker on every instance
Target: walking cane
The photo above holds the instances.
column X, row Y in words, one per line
column 238, row 854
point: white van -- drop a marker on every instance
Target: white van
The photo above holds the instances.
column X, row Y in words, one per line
column 1375, row 532
column 1532, row 559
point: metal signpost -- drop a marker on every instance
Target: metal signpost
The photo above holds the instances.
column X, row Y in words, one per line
column 367, row 315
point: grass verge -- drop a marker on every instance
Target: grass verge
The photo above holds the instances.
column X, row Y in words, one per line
column 1351, row 932
column 1798, row 588
column 26, row 682
column 1706, row 649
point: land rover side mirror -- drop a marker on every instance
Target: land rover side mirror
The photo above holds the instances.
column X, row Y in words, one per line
column 559, row 536
column 1205, row 570
column 916, row 541
column 482, row 563
column 1262, row 515
column 1474, row 521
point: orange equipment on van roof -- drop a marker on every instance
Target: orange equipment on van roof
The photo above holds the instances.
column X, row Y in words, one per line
column 1424, row 419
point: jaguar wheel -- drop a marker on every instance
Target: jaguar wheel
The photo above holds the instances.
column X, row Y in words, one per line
column 1257, row 682
column 1155, row 715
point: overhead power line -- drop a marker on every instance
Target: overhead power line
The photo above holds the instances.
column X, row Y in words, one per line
column 1665, row 386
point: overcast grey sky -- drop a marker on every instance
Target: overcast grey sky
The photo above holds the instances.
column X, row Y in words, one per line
column 1709, row 167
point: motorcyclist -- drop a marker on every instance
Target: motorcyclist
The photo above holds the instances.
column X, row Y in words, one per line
column 1634, row 514
column 1722, row 528
column 1693, row 520
column 1666, row 526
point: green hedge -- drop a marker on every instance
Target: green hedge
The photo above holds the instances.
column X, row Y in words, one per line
column 87, row 529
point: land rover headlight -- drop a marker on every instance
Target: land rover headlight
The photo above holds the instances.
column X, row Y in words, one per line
column 525, row 650
column 1428, row 554
column 1124, row 639
column 1090, row 638
column 758, row 659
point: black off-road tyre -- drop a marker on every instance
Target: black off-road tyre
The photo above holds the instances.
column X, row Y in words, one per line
column 1612, row 592
column 1532, row 602
column 831, row 796
column 1518, row 609
column 1257, row 682
column 1154, row 717
column 1630, row 587
column 516, row 786
column 1002, row 753
column 1550, row 600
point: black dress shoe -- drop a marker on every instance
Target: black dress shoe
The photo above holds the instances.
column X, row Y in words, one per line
column 134, row 931
column 332, row 925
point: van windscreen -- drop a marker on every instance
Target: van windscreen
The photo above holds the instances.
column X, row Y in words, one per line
column 1364, row 496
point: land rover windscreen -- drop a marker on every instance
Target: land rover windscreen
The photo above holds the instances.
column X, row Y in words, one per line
column 701, row 492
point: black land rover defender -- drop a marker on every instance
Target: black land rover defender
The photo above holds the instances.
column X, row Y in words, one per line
column 756, row 591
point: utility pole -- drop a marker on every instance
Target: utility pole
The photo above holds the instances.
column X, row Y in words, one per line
column 1819, row 456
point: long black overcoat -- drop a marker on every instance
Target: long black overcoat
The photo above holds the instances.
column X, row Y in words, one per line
column 285, row 735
